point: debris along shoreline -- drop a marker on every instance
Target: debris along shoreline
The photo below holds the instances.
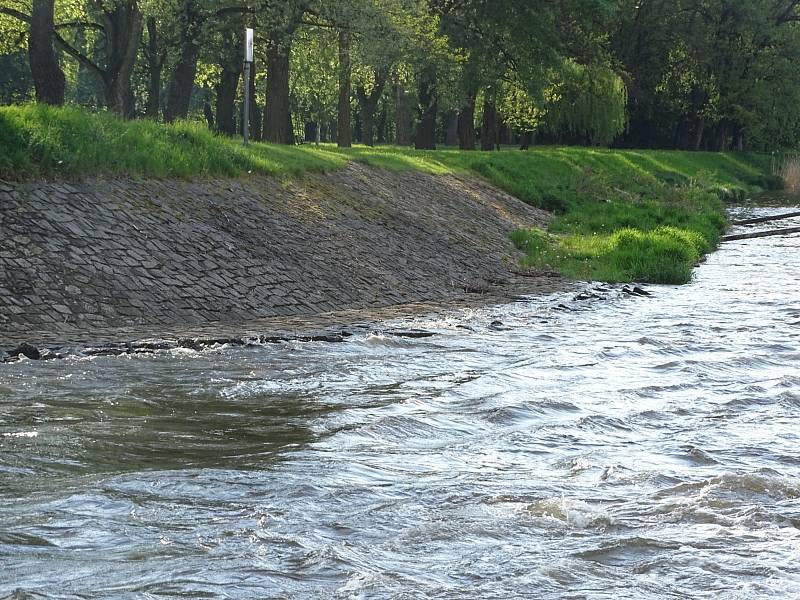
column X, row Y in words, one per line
column 401, row 321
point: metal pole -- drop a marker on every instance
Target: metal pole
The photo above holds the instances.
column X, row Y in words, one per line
column 246, row 124
column 248, row 63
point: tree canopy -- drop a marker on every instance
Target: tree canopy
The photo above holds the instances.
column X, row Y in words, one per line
column 689, row 74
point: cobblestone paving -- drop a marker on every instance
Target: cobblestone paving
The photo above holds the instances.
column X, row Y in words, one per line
column 160, row 255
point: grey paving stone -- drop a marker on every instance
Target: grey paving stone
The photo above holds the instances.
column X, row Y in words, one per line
column 174, row 252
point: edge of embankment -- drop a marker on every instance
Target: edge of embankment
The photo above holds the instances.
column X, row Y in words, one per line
column 113, row 259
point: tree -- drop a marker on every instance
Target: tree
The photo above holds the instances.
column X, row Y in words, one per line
column 47, row 74
column 425, row 137
column 120, row 24
column 191, row 20
column 156, row 55
column 344, row 131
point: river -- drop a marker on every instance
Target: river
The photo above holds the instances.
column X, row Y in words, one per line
column 620, row 447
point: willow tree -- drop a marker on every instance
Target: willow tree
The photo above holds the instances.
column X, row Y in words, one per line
column 586, row 104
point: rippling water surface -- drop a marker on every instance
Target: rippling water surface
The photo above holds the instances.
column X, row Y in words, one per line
column 627, row 448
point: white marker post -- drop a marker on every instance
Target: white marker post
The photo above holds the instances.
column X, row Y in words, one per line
column 248, row 61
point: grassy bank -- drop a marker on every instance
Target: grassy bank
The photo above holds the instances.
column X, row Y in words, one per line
column 622, row 215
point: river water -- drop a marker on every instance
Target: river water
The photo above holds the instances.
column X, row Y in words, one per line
column 629, row 447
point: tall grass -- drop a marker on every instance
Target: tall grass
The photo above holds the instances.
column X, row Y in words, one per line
column 789, row 172
column 42, row 141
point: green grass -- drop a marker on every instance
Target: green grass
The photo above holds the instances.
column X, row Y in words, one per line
column 621, row 215
column 40, row 141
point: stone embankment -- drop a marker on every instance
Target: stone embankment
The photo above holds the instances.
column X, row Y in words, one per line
column 76, row 259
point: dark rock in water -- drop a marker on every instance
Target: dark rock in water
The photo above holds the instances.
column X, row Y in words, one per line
column 105, row 351
column 322, row 337
column 587, row 296
column 563, row 307
column 190, row 344
column 153, row 345
column 272, row 339
column 27, row 351
column 467, row 327
column 410, row 333
column 636, row 291
column 498, row 326
column 201, row 343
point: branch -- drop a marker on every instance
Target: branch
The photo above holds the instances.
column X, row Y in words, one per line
column 79, row 25
column 788, row 14
column 759, row 234
column 233, row 10
column 78, row 55
column 15, row 13
column 320, row 24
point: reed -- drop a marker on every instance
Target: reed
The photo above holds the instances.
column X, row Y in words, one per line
column 789, row 172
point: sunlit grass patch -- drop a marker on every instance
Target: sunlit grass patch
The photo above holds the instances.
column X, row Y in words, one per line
column 42, row 141
column 664, row 255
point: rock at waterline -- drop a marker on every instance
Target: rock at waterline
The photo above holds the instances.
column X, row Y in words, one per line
column 26, row 350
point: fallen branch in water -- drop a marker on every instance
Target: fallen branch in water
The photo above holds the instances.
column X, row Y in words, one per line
column 759, row 234
column 767, row 219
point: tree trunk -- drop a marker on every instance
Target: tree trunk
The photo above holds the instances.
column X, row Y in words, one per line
column 209, row 115
column 699, row 130
column 425, row 138
column 123, row 28
column 683, row 133
column 181, row 84
column 466, row 125
column 367, row 104
column 344, row 130
column 257, row 134
column 451, row 136
column 526, row 141
column 489, row 125
column 226, row 100
column 381, row 129
column 277, row 115
column 506, row 136
column 402, row 117
column 738, row 138
column 722, row 137
column 155, row 66
column 48, row 77
column 255, row 111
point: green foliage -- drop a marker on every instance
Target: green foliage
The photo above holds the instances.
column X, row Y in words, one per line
column 41, row 141
column 587, row 102
column 666, row 255
column 16, row 84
